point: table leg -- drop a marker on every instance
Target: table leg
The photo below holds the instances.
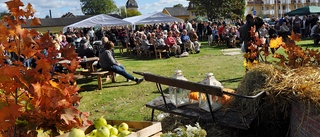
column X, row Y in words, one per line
column 152, row 114
column 99, row 82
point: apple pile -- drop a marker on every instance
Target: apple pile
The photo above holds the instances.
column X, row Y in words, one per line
column 103, row 129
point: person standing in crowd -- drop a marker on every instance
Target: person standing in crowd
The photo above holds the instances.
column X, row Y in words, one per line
column 200, row 29
column 188, row 27
column 314, row 20
column 296, row 24
column 209, row 32
column 109, row 63
column 194, row 25
column 245, row 32
column 91, row 34
column 304, row 27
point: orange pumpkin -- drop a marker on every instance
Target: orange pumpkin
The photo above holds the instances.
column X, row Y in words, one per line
column 226, row 98
column 194, row 95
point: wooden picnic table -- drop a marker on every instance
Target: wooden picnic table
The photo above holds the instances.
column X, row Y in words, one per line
column 88, row 63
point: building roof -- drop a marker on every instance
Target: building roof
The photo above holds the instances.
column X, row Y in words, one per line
column 131, row 4
column 177, row 11
column 63, row 21
column 67, row 15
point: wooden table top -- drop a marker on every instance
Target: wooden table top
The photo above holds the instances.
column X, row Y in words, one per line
column 90, row 59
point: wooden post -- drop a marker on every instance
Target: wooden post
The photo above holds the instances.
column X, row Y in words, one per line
column 99, row 82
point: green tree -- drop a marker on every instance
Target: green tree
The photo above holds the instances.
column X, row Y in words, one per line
column 3, row 14
column 94, row 7
column 132, row 12
column 219, row 8
column 178, row 5
column 129, row 12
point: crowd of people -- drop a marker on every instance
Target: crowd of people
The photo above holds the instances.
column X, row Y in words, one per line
column 177, row 38
column 181, row 37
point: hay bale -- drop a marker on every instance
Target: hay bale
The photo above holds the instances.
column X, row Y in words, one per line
column 282, row 86
column 253, row 82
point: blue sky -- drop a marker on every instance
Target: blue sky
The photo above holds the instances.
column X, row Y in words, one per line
column 60, row 7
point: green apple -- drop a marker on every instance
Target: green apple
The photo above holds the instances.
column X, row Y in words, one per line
column 115, row 126
column 93, row 133
column 75, row 132
column 109, row 126
column 100, row 122
column 103, row 132
column 123, row 126
column 124, row 133
column 113, row 136
column 113, row 131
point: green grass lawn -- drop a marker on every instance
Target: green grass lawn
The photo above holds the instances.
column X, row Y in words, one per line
column 126, row 101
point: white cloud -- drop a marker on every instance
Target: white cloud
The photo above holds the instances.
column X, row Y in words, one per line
column 3, row 7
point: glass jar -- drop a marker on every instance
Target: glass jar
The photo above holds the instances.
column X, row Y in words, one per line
column 215, row 101
column 179, row 96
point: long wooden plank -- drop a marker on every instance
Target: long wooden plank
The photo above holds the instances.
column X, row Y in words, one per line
column 213, row 90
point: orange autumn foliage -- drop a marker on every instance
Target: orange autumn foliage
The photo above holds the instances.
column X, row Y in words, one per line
column 295, row 56
column 30, row 100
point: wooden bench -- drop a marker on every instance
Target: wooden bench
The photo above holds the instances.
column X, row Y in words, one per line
column 226, row 117
column 100, row 74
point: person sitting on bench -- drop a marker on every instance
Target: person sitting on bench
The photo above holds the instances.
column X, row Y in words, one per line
column 315, row 33
column 109, row 63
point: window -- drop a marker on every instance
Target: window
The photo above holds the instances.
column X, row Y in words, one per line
column 267, row 8
column 272, row 7
column 262, row 8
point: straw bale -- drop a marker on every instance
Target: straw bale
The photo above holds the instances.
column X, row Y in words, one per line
column 283, row 86
column 253, row 82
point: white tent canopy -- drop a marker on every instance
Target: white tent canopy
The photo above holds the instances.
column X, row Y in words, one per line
column 98, row 20
column 152, row 18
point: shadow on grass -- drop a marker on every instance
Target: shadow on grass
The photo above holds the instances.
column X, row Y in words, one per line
column 166, row 91
column 89, row 87
column 232, row 80
column 309, row 45
column 92, row 87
